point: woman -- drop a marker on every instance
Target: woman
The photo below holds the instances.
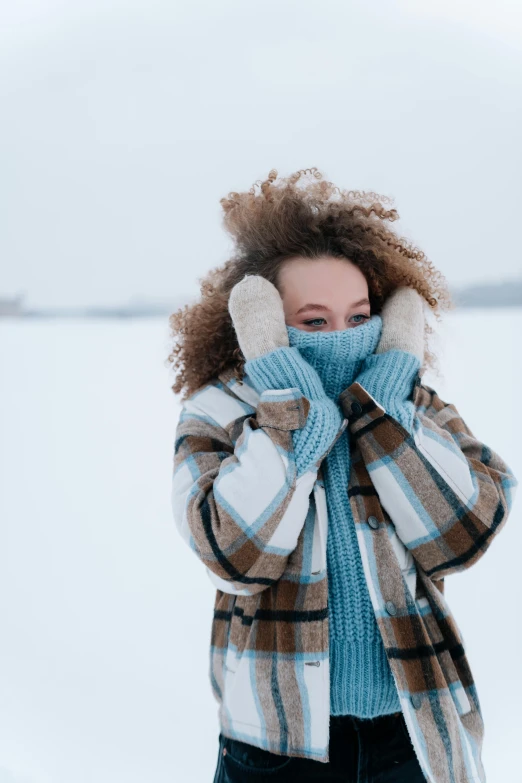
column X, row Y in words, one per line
column 332, row 657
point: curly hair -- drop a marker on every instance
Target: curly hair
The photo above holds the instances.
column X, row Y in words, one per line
column 299, row 215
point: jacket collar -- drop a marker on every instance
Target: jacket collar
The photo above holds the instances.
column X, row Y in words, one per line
column 246, row 392
column 242, row 389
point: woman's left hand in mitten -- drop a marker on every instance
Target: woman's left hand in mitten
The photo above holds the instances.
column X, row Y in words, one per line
column 403, row 323
column 390, row 373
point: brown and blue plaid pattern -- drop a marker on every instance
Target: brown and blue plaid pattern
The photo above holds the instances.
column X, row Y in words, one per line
column 425, row 505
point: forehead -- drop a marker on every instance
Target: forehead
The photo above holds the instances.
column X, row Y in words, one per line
column 322, row 280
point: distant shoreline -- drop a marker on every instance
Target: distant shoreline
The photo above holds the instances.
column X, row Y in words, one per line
column 507, row 294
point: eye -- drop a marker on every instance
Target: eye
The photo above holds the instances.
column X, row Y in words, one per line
column 362, row 316
column 313, row 321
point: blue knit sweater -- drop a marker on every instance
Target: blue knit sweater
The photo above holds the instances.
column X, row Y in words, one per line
column 322, row 365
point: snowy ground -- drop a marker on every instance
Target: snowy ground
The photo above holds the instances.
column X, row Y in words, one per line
column 105, row 613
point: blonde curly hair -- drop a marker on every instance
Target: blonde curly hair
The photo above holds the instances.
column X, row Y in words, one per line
column 277, row 219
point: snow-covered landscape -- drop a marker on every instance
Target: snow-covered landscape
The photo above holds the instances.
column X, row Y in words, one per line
column 105, row 613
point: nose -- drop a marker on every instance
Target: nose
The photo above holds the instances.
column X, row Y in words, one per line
column 336, row 324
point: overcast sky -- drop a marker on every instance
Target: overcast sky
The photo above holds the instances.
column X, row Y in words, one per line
column 124, row 123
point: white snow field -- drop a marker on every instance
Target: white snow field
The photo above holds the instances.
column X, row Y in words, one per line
column 105, row 613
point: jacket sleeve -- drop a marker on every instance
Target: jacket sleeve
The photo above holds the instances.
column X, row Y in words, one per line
column 236, row 497
column 389, row 377
column 286, row 367
column 447, row 494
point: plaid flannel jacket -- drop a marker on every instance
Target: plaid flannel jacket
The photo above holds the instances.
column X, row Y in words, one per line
column 425, row 506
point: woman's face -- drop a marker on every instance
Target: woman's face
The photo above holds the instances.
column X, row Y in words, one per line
column 324, row 294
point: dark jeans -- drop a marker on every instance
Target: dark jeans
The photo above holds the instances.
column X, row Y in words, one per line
column 374, row 750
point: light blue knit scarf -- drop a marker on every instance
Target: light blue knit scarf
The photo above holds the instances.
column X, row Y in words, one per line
column 361, row 679
column 338, row 355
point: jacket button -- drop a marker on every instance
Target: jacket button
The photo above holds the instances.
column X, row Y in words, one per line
column 390, row 607
column 356, row 408
column 373, row 522
column 416, row 700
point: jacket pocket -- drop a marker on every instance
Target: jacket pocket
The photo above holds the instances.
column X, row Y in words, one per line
column 459, row 695
column 320, row 512
column 241, row 624
column 445, row 635
column 405, row 560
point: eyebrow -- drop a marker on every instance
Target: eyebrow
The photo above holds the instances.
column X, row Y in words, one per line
column 311, row 306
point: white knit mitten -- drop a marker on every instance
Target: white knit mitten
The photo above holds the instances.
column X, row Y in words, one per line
column 403, row 322
column 257, row 313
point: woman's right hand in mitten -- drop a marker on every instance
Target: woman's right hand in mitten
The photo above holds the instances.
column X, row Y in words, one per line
column 257, row 313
